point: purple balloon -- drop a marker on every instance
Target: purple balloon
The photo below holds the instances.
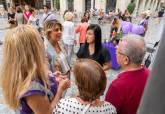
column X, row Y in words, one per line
column 137, row 29
column 126, row 27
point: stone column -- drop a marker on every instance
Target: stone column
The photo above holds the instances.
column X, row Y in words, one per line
column 92, row 3
column 122, row 4
column 52, row 7
column 100, row 4
column 152, row 5
column 148, row 4
column 63, row 6
column 97, row 4
column 159, row 5
column 136, row 8
column 79, row 6
column 10, row 3
column 155, row 5
column 143, row 5
column 44, row 2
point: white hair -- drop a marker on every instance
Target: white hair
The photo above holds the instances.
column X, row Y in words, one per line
column 134, row 48
column 68, row 16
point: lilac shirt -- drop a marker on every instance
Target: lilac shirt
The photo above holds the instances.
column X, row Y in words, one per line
column 37, row 87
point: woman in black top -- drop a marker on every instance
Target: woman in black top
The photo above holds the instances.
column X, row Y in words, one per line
column 12, row 18
column 93, row 48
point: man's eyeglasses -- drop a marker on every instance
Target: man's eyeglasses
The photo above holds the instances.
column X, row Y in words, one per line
column 121, row 53
column 118, row 52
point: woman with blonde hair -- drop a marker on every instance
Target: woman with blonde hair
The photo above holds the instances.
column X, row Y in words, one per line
column 26, row 86
column 68, row 34
column 91, row 81
column 57, row 56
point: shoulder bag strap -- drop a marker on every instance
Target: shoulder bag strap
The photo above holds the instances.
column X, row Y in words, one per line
column 47, row 16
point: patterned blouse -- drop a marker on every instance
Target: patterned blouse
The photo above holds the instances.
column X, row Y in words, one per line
column 73, row 106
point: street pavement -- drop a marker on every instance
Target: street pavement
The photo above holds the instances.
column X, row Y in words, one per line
column 151, row 38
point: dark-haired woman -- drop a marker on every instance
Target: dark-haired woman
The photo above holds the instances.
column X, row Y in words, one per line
column 93, row 47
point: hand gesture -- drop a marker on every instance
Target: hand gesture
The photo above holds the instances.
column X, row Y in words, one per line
column 59, row 76
column 64, row 84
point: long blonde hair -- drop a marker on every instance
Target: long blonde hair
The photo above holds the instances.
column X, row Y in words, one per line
column 23, row 62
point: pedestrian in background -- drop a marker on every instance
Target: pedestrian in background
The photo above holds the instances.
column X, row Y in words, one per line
column 26, row 14
column 144, row 22
column 33, row 19
column 127, row 16
column 19, row 15
column 114, row 26
column 12, row 17
column 48, row 15
column 87, row 15
column 68, row 36
column 82, row 29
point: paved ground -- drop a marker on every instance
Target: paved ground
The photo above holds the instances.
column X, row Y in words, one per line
column 151, row 37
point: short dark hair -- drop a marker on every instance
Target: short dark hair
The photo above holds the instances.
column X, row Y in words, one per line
column 18, row 9
column 90, row 79
column 48, row 7
column 132, row 1
column 84, row 19
column 31, row 10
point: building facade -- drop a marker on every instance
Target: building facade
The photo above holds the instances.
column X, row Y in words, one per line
column 33, row 3
column 107, row 5
column 82, row 5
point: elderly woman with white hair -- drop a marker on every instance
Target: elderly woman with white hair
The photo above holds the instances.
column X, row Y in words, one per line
column 68, row 34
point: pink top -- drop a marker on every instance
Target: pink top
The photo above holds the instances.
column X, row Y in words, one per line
column 27, row 15
column 82, row 29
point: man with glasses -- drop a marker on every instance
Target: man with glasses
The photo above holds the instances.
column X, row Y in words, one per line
column 125, row 92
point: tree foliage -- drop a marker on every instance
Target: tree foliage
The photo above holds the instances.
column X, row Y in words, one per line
column 131, row 7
